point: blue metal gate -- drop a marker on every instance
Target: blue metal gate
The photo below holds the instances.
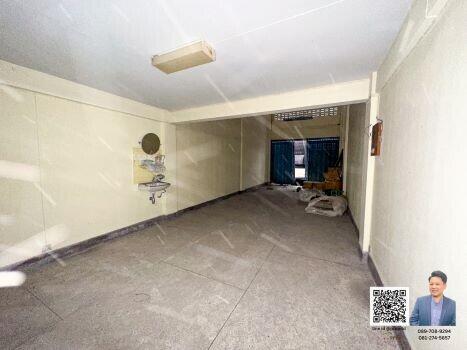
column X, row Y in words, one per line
column 282, row 162
column 320, row 153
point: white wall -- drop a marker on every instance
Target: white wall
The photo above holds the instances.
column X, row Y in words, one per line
column 422, row 15
column 419, row 204
column 355, row 158
column 66, row 165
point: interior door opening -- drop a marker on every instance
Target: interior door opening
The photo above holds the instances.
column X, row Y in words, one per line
column 296, row 161
column 299, row 159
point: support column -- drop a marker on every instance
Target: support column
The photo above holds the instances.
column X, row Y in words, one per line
column 369, row 167
column 346, row 148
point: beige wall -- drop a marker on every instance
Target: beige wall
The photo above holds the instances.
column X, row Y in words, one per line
column 169, row 148
column 255, row 151
column 220, row 157
column 66, row 162
column 32, row 80
column 86, row 167
column 66, row 172
column 419, row 201
column 355, row 158
column 208, row 161
column 21, row 214
column 301, row 129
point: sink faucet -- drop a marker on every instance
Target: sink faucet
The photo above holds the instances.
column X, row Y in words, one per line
column 158, row 178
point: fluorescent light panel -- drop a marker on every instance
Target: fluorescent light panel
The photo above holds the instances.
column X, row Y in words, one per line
column 185, row 57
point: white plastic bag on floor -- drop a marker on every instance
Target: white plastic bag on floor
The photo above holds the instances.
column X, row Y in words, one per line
column 327, row 206
column 306, row 195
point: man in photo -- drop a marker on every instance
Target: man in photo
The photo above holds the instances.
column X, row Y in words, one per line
column 434, row 309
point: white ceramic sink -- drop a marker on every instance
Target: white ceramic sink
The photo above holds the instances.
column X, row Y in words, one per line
column 154, row 186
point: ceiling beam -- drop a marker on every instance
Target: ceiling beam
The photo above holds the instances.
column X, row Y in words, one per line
column 328, row 95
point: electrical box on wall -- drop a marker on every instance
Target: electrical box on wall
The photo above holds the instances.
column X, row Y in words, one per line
column 376, row 138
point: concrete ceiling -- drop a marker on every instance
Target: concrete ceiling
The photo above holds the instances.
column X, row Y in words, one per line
column 263, row 46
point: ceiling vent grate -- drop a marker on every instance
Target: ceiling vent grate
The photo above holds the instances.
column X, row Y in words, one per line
column 307, row 114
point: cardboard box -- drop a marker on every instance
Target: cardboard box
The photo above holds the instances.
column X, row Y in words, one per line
column 332, row 185
column 310, row 185
column 333, row 174
column 323, row 186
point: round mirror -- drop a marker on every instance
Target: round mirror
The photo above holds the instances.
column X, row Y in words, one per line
column 150, row 143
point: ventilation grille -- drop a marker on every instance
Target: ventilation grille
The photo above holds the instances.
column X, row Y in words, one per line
column 307, row 114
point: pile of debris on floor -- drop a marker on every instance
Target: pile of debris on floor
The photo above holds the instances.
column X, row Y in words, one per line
column 325, row 198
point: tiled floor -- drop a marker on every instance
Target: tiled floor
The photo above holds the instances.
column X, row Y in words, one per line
column 251, row 272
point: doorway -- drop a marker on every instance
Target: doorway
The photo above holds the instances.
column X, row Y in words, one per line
column 321, row 154
column 299, row 160
column 294, row 161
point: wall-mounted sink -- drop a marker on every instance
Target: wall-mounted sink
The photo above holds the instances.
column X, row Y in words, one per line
column 153, row 187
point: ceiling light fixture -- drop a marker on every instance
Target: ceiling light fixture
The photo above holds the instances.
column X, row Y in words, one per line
column 185, row 57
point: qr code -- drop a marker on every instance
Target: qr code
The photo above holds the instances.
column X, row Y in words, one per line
column 389, row 306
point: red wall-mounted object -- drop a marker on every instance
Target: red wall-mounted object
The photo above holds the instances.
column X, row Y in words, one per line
column 376, row 138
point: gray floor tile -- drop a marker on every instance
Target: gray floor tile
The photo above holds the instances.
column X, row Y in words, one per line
column 202, row 221
column 301, row 303
column 22, row 317
column 69, row 288
column 310, row 240
column 175, row 309
column 152, row 244
column 108, row 270
column 311, row 292
column 232, row 254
